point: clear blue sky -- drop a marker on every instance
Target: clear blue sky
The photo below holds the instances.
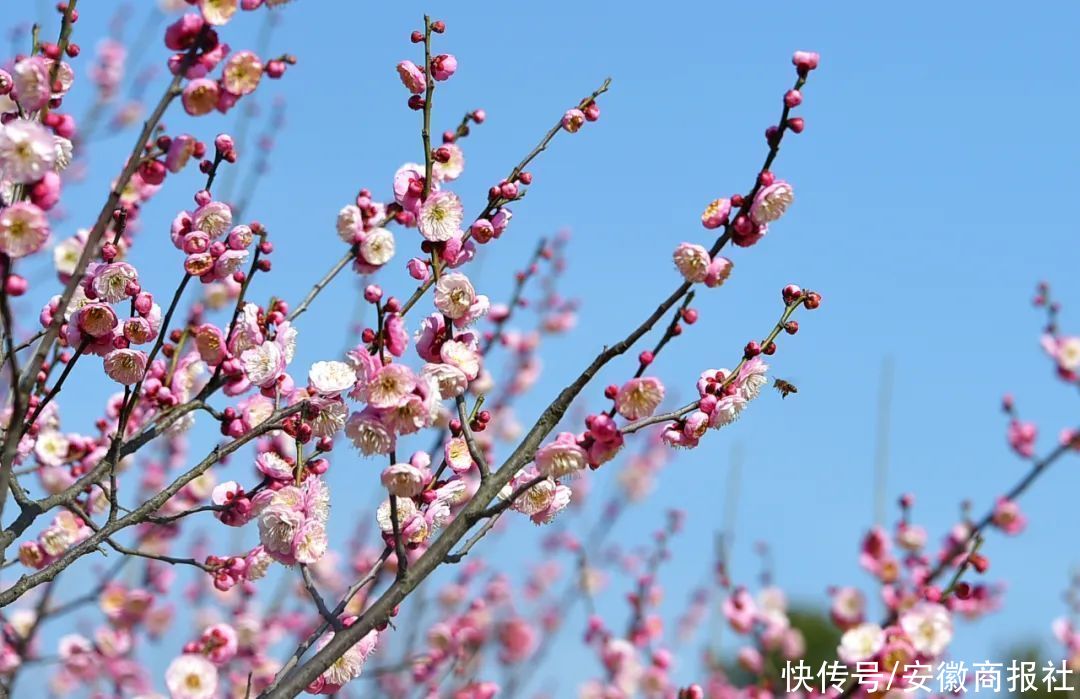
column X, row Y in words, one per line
column 938, row 160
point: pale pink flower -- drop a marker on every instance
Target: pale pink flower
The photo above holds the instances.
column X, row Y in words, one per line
column 347, row 667
column 726, row 410
column 454, row 295
column 561, row 458
column 310, row 543
column 412, row 76
column 191, row 676
column 457, row 454
column 350, row 222
column 450, row 380
column 390, row 386
column 1007, row 516
column 464, row 356
column 771, row 202
column 31, row 82
column 752, row 378
column 692, row 261
column 24, row 229
column 718, row 272
column 263, row 364
column 716, row 213
column 848, row 607
column 929, row 627
column 860, row 643
column 125, row 366
column 242, row 72
column 218, row 12
column 272, row 464
column 27, row 151
column 369, row 433
column 377, row 247
column 331, row 378
column 212, row 218
column 403, row 480
column 640, row 397
column 440, row 217
column 200, row 96
column 111, row 281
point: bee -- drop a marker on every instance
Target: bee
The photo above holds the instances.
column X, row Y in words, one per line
column 785, row 387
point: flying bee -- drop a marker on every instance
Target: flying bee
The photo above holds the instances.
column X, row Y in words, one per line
column 785, row 387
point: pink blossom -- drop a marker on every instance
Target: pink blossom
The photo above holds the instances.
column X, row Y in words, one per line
column 412, row 77
column 716, row 213
column 462, row 355
column 125, row 366
column 692, row 261
column 440, row 217
column 771, row 202
column 191, row 677
column 24, row 229
column 1007, row 517
column 718, row 271
column 640, row 397
column 454, row 295
column 242, row 72
column 263, row 364
column 562, row 457
column 31, row 83
column 573, row 120
column 200, row 96
column 331, row 378
column 403, row 480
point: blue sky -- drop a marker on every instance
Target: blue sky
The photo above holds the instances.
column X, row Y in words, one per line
column 938, row 157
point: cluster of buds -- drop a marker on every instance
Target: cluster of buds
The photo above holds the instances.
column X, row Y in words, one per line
column 415, row 78
column 227, row 572
column 235, row 508
column 241, row 71
column 215, row 249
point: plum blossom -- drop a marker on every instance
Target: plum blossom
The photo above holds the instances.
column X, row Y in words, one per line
column 390, row 386
column 218, row 12
column 403, row 480
column 716, row 213
column 860, row 643
column 263, row 364
column 929, row 628
column 369, row 433
column 345, row 668
column 639, row 397
column 771, row 202
column 692, row 261
column 24, row 229
column 377, row 247
column 561, row 458
column 292, row 522
column 27, row 151
column 112, row 281
column 125, row 366
column 191, row 676
column 412, row 76
column 454, row 295
column 440, row 217
column 331, row 377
